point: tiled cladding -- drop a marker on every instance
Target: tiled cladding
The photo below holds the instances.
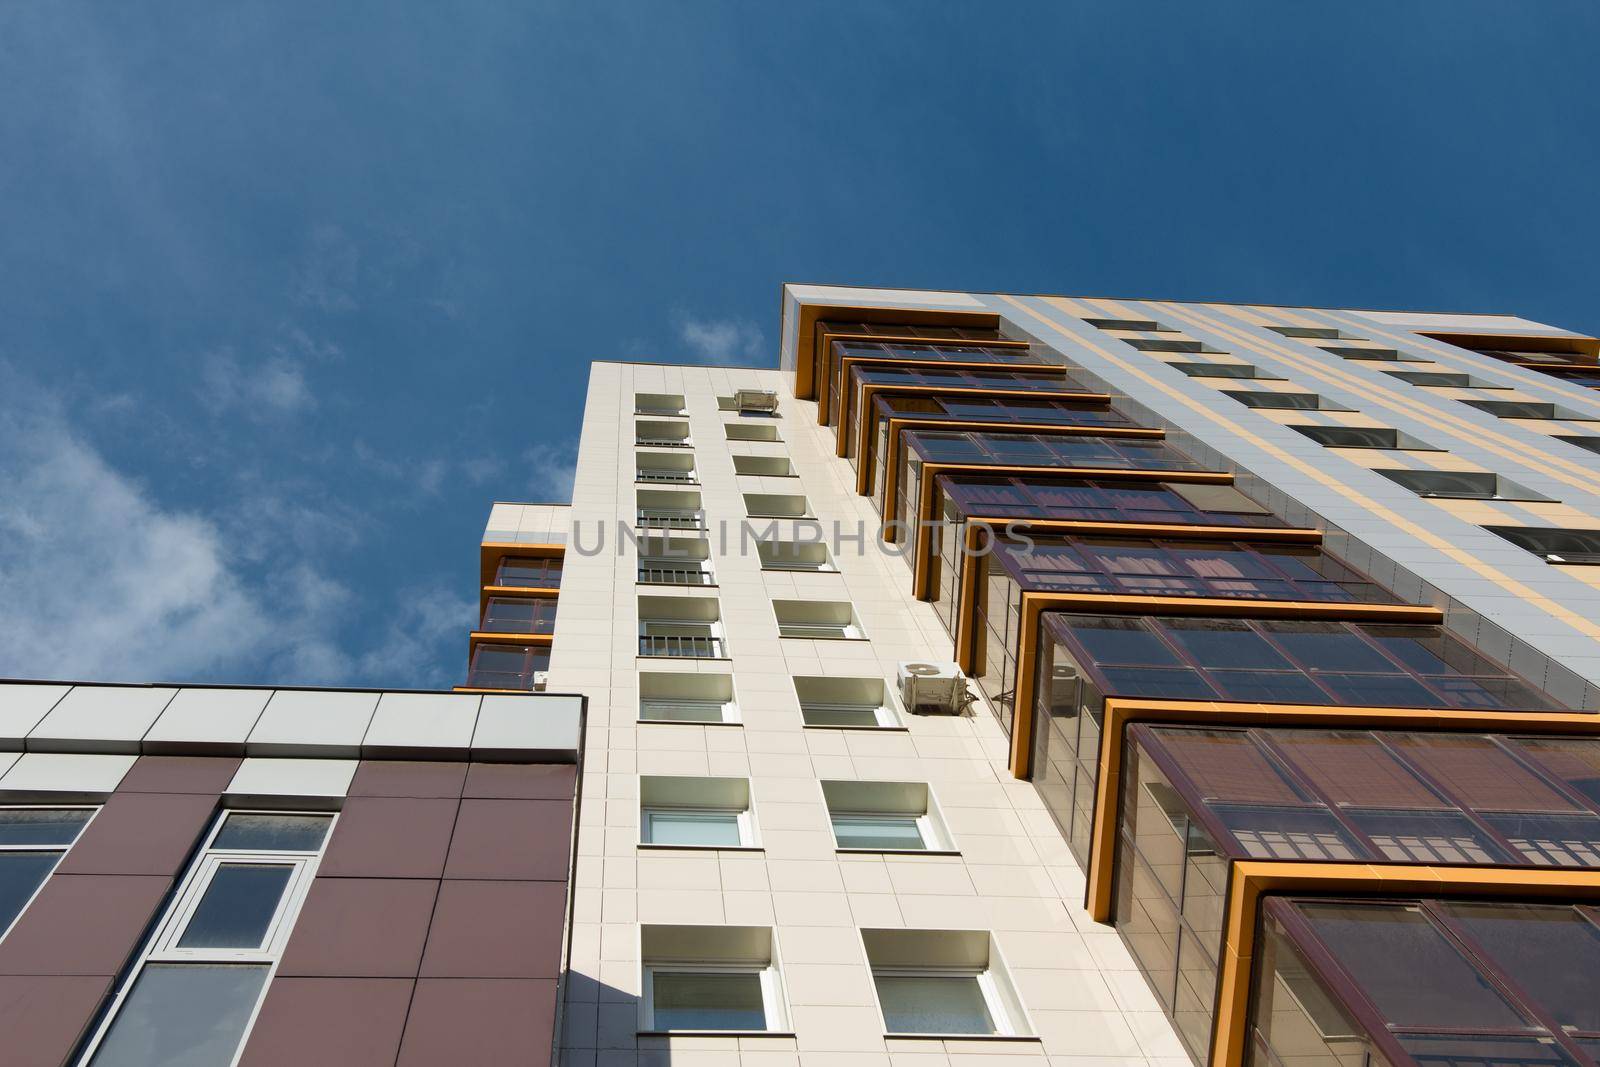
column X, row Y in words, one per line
column 121, row 720
column 546, row 524
column 1012, row 874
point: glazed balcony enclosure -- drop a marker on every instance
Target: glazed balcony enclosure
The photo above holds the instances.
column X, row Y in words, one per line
column 830, row 334
column 844, row 356
column 1194, row 801
column 895, row 414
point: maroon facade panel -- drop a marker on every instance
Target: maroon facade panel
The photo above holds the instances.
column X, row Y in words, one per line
column 60, row 962
column 433, row 931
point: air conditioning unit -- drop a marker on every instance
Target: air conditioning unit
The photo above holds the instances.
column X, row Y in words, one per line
column 763, row 401
column 541, row 679
column 938, row 688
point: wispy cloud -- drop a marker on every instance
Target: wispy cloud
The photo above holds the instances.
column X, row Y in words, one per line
column 724, row 341
column 268, row 387
column 552, row 469
column 329, row 270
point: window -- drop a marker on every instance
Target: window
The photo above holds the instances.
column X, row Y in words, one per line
column 658, row 404
column 1218, row 498
column 675, row 561
column 685, row 812
column 519, row 615
column 885, row 817
column 1436, row 379
column 826, row 620
column 1131, row 325
column 1321, row 333
column 657, row 434
column 667, row 467
column 776, row 506
column 522, row 572
column 794, row 556
column 1361, row 437
column 710, row 978
column 682, row 697
column 1460, row 485
column 687, row 627
column 1162, row 344
column 1302, row 401
column 949, row 982
column 1588, row 444
column 32, row 842
column 751, row 431
column 498, row 666
column 850, row 703
column 669, row 509
column 195, row 988
column 1555, row 545
column 1516, row 409
column 1219, row 370
column 1389, row 355
column 763, row 466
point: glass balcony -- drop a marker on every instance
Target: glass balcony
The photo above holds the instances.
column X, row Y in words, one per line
column 496, row 666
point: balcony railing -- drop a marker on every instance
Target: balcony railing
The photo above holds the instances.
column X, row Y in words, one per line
column 658, row 412
column 658, row 474
column 664, row 442
column 656, row 574
column 672, row 518
column 682, row 647
column 822, row 630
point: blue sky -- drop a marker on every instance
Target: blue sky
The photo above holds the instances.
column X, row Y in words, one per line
column 292, row 291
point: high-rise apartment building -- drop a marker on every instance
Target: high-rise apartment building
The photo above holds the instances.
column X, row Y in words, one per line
column 1112, row 682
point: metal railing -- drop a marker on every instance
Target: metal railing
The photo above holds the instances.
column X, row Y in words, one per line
column 657, row 412
column 813, row 629
column 681, row 708
column 660, row 474
column 660, row 574
column 671, row 518
column 682, row 647
column 664, row 442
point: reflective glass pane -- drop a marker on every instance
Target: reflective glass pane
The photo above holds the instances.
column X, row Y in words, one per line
column 690, row 1001
column 1379, row 689
column 21, row 874
column 1327, row 646
column 933, row 1004
column 1556, row 840
column 878, row 831
column 1110, row 640
column 1411, row 973
column 250, row 831
column 1426, row 836
column 1277, row 686
column 1550, row 951
column 692, row 828
column 1483, row 1050
column 41, row 826
column 238, row 906
column 1224, row 643
column 183, row 1015
column 1170, row 684
column 1289, row 833
column 839, row 716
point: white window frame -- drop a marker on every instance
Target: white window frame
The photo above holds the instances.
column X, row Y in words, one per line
column 1005, row 1026
column 161, row 947
column 60, row 850
column 774, row 1019
column 741, row 817
column 926, row 829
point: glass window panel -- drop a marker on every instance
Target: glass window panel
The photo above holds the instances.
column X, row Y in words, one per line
column 183, row 1015
column 1228, row 765
column 1176, row 684
column 21, row 874
column 1553, row 840
column 699, row 1001
column 933, row 1004
column 1481, row 773
column 1111, row 640
column 692, row 828
column 878, row 831
column 1483, row 1050
column 1396, row 689
column 1224, row 643
column 1412, row 974
column 1425, row 836
column 1222, row 562
column 1422, row 648
column 238, row 906
column 1575, row 761
column 1269, row 685
column 1327, row 646
column 1289, row 833
column 41, row 826
column 261, row 832
column 1354, row 769
column 839, row 716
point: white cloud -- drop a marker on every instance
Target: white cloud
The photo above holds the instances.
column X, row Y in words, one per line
column 99, row 580
column 724, row 341
column 272, row 386
column 329, row 271
column 552, row 469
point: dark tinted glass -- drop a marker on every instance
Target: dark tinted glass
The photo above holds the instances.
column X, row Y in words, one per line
column 1575, row 761
column 1551, row 951
column 21, row 874
column 1112, row 640
column 693, row 1001
column 1288, row 833
column 1276, row 686
column 1165, row 684
column 1551, row 840
column 1224, row 643
column 1482, row 1050
column 41, row 826
column 272, row 833
column 1327, row 646
column 1379, row 689
column 1426, row 836
column 238, row 906
column 1412, row 974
